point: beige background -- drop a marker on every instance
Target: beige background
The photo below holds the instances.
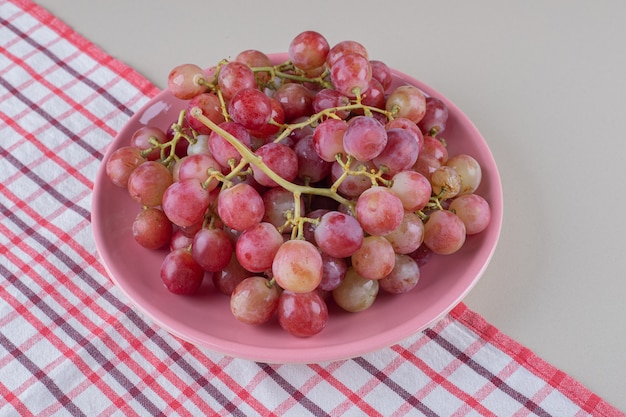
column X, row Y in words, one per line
column 545, row 82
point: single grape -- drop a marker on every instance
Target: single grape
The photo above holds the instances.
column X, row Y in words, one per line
column 255, row 58
column 251, row 108
column 446, row 182
column 199, row 167
column 148, row 182
column 233, row 77
column 379, row 211
column 278, row 202
column 352, row 185
column 201, row 145
column 311, row 168
column 180, row 240
column 407, row 101
column 302, row 314
column 435, row 117
column 382, row 73
column 404, row 276
column 240, row 206
column 374, row 259
column 186, row 81
column 413, row 189
column 191, row 230
column 355, row 293
column 328, row 98
column 444, row 232
column 333, row 272
column 212, row 249
column 211, row 107
column 351, row 74
column 365, row 138
column 230, row 276
column 300, row 132
column 474, row 210
column 403, row 123
column 225, row 153
column 409, row 235
column 338, row 234
column 279, row 158
column 469, row 170
column 308, row 50
column 152, row 229
column 421, row 255
column 374, row 96
column 297, row 266
column 270, row 129
column 185, row 202
column 399, row 154
column 426, row 165
column 254, row 300
column 435, row 148
column 296, row 99
column 344, row 47
column 328, row 139
column 148, row 137
column 257, row 246
column 180, row 273
column 308, row 228
column 122, row 163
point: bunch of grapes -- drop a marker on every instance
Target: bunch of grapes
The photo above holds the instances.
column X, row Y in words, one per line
column 294, row 185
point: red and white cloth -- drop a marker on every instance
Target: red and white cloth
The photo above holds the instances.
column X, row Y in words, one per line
column 70, row 343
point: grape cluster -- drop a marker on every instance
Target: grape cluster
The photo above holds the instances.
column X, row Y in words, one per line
column 294, row 185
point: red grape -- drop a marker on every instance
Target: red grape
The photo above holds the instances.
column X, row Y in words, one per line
column 152, row 229
column 240, row 206
column 185, row 202
column 302, row 314
column 338, row 234
column 351, row 74
column 144, row 137
column 212, row 249
column 186, row 81
column 308, row 50
column 435, row 117
column 148, row 182
column 211, row 107
column 180, row 273
column 355, row 293
column 279, row 158
column 251, row 108
column 233, row 77
column 374, row 259
column 122, row 163
column 254, row 300
column 404, row 276
column 297, row 266
column 365, row 138
column 444, row 232
column 257, row 246
column 407, row 101
column 474, row 210
column 379, row 211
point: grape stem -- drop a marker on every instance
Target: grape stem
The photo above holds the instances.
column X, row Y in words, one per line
column 255, row 160
column 329, row 112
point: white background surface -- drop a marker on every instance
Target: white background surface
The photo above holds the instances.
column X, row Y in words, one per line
column 545, row 83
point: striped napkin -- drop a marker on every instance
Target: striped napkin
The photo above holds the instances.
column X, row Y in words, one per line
column 72, row 345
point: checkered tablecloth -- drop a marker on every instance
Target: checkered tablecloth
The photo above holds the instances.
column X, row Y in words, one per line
column 71, row 344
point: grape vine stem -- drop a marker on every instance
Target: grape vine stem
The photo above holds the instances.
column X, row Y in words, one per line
column 255, row 160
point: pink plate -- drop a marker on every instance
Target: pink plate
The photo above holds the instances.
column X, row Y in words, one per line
column 205, row 319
